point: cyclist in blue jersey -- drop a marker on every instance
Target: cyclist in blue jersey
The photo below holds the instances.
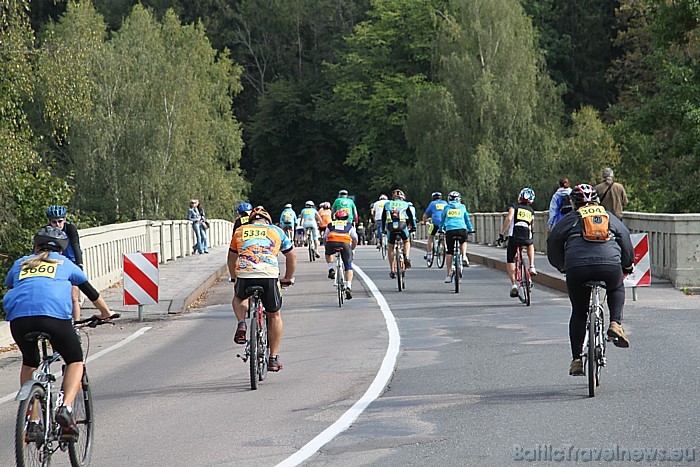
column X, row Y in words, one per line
column 434, row 212
column 39, row 299
column 288, row 220
column 310, row 219
column 243, row 211
column 56, row 215
column 457, row 225
column 518, row 224
column 397, row 220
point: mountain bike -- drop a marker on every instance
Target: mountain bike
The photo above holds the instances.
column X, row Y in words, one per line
column 400, row 262
column 339, row 281
column 37, row 433
column 594, row 343
column 257, row 351
column 438, row 251
column 310, row 242
column 522, row 277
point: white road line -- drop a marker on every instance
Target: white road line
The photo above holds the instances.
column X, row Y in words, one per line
column 374, row 390
column 99, row 354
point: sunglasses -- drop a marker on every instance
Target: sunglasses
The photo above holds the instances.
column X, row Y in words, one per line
column 57, row 221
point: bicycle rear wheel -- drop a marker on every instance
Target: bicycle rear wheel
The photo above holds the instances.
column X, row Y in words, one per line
column 430, row 256
column 383, row 248
column 80, row 450
column 263, row 349
column 254, row 351
column 340, row 281
column 441, row 254
column 30, row 452
column 592, row 363
column 456, row 265
column 398, row 258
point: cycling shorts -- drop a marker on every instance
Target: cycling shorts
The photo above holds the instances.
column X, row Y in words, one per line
column 513, row 244
column 63, row 340
column 434, row 230
column 345, row 253
column 400, row 231
column 314, row 230
column 451, row 235
column 271, row 297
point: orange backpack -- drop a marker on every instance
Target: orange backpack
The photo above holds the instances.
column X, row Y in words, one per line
column 595, row 223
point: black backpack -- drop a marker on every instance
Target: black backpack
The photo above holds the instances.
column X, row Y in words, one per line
column 565, row 205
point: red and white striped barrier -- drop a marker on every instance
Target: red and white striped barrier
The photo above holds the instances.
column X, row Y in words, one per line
column 642, row 263
column 140, row 278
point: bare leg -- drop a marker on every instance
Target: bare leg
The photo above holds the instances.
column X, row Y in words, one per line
column 71, row 381
column 275, row 327
column 510, row 267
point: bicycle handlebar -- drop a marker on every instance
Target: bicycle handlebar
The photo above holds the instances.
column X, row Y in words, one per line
column 94, row 321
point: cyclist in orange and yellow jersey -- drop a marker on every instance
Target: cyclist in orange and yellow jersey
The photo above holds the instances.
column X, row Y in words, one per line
column 252, row 260
column 326, row 216
column 340, row 234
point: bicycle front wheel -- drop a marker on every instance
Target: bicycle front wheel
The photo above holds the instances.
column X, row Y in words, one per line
column 456, row 266
column 263, row 350
column 254, row 351
column 592, row 363
column 31, row 450
column 80, row 450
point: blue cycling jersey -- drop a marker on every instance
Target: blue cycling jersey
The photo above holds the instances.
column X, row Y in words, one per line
column 288, row 217
column 435, row 210
column 308, row 214
column 455, row 216
column 42, row 291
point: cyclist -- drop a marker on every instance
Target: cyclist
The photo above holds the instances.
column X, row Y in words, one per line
column 310, row 219
column 40, row 299
column 243, row 211
column 376, row 211
column 252, row 260
column 326, row 216
column 341, row 234
column 57, row 218
column 456, row 223
column 434, row 212
column 584, row 260
column 397, row 219
column 518, row 224
column 288, row 220
column 343, row 202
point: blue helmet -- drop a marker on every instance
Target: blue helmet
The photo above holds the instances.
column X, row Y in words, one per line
column 55, row 211
column 244, row 207
column 527, row 195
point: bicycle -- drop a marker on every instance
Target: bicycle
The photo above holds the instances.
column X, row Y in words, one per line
column 438, row 251
column 37, row 433
column 594, row 355
column 310, row 242
column 456, row 263
column 400, row 262
column 522, row 275
column 383, row 245
column 339, row 281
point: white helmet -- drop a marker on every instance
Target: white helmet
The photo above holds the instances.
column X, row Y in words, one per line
column 309, row 204
column 288, row 205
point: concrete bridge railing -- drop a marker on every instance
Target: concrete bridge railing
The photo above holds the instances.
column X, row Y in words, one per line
column 104, row 246
column 674, row 241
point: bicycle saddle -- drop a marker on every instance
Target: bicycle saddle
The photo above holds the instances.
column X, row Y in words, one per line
column 251, row 289
column 37, row 335
column 594, row 284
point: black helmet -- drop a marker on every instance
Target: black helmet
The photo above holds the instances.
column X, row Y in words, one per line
column 51, row 238
column 583, row 194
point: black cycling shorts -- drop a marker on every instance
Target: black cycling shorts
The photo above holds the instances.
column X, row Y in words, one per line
column 64, row 339
column 271, row 297
column 345, row 253
column 434, row 230
column 400, row 231
column 451, row 235
column 513, row 244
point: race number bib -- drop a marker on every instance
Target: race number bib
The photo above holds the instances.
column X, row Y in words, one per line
column 454, row 213
column 588, row 211
column 524, row 215
column 340, row 224
column 254, row 233
column 45, row 269
column 439, row 207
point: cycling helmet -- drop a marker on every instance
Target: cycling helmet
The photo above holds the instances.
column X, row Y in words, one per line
column 259, row 212
column 454, row 196
column 309, row 204
column 325, row 205
column 343, row 193
column 244, row 207
column 51, row 238
column 527, row 195
column 342, row 214
column 55, row 211
column 288, row 205
column 583, row 194
column 398, row 194
column 437, row 195
column 383, row 196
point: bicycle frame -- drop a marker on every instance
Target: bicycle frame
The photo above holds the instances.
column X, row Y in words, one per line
column 339, row 281
column 257, row 349
column 400, row 264
column 594, row 355
column 522, row 277
column 310, row 243
column 456, row 263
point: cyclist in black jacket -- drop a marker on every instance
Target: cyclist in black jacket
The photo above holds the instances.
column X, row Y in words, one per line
column 584, row 260
column 57, row 218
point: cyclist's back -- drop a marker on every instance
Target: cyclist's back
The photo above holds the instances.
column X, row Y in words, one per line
column 343, row 202
column 288, row 218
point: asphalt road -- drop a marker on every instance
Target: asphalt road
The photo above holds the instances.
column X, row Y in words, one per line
column 480, row 379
